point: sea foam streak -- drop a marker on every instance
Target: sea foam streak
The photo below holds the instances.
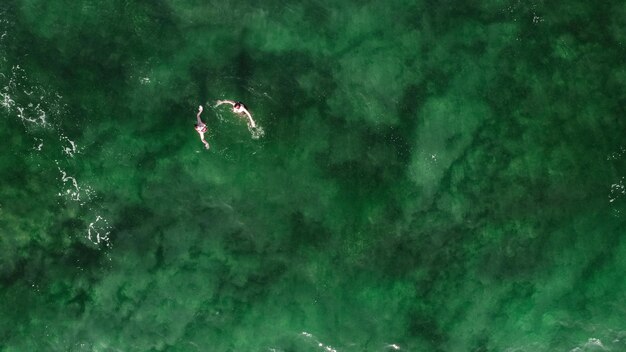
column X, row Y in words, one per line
column 39, row 109
column 319, row 344
column 98, row 231
column 617, row 189
column 29, row 103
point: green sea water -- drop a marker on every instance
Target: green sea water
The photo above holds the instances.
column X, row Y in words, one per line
column 427, row 176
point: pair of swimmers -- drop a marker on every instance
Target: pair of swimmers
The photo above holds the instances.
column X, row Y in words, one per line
column 238, row 108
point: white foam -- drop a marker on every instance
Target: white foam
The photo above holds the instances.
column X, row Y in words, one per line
column 36, row 106
column 74, row 191
column 592, row 344
column 17, row 97
column 34, row 115
column 319, row 344
column 256, row 132
column 617, row 155
column 618, row 189
column 71, row 149
column 7, row 102
column 40, row 145
column 98, row 231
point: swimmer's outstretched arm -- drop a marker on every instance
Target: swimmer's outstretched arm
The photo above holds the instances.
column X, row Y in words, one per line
column 198, row 115
column 252, row 123
column 220, row 102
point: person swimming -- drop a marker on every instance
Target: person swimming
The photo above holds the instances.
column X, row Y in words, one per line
column 238, row 108
column 201, row 128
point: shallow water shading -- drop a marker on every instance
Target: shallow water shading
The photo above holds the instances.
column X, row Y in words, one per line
column 427, row 176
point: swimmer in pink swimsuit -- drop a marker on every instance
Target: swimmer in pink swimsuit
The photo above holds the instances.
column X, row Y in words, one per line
column 238, row 108
column 201, row 128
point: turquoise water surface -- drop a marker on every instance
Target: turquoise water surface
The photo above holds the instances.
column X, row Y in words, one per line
column 425, row 176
